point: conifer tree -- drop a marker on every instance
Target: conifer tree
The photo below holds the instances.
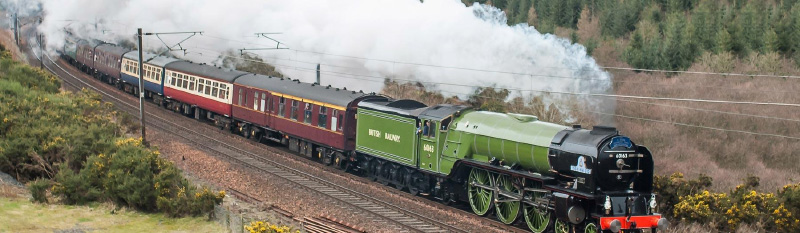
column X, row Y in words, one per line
column 723, row 41
column 771, row 42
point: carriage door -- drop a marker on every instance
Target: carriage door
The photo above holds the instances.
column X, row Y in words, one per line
column 428, row 149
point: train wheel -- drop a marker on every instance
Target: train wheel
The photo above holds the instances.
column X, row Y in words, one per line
column 537, row 218
column 590, row 227
column 374, row 168
column 561, row 226
column 385, row 174
column 340, row 161
column 327, row 158
column 480, row 191
column 412, row 179
column 400, row 178
column 506, row 210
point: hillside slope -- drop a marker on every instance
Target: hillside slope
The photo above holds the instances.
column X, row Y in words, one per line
column 725, row 141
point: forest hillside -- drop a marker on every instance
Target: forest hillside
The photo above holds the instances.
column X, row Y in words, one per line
column 733, row 50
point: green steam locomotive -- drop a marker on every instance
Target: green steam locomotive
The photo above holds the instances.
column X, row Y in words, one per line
column 556, row 178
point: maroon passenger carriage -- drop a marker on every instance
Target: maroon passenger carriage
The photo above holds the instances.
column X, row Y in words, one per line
column 108, row 62
column 313, row 120
column 84, row 56
column 200, row 90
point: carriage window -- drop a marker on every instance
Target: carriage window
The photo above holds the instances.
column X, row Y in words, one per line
column 263, row 101
column 307, row 116
column 322, row 120
column 255, row 101
column 172, row 79
column 270, row 104
column 200, row 85
column 240, row 97
column 334, row 120
column 281, row 107
column 191, row 83
column 295, row 104
column 341, row 119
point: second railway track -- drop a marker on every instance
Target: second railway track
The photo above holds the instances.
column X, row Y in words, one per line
column 382, row 212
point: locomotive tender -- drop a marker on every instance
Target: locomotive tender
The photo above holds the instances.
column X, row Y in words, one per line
column 556, row 178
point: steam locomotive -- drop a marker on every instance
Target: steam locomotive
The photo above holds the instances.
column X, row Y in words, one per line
column 555, row 178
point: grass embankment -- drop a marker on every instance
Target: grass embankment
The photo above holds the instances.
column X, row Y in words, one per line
column 20, row 215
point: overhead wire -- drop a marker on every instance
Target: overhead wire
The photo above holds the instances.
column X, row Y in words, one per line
column 573, row 93
column 508, row 72
column 667, row 122
column 548, row 67
column 549, row 76
column 373, row 78
column 588, row 94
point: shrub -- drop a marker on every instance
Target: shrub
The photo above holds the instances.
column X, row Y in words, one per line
column 728, row 211
column 265, row 227
column 671, row 188
column 701, row 207
column 75, row 141
column 38, row 189
column 721, row 62
column 73, row 188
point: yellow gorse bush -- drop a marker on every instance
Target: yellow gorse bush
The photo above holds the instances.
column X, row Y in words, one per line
column 128, row 142
column 728, row 212
column 700, row 207
column 266, row 227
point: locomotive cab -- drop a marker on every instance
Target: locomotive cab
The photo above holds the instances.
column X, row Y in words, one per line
column 611, row 172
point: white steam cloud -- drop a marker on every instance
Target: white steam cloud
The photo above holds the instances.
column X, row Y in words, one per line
column 428, row 41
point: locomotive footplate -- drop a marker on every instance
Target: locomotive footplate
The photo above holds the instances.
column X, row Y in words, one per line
column 615, row 224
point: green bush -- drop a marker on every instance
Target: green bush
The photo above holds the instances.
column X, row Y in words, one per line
column 38, row 189
column 134, row 176
column 689, row 201
column 74, row 188
column 74, row 139
column 671, row 188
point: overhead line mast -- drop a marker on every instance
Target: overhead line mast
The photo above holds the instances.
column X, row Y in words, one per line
column 141, row 67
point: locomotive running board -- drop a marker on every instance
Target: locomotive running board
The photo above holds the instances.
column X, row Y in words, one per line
column 466, row 164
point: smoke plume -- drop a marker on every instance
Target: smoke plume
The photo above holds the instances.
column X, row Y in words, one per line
column 443, row 44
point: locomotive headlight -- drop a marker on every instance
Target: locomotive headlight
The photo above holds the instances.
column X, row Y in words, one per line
column 653, row 203
column 607, row 205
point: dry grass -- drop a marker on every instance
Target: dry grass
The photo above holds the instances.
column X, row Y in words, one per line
column 727, row 157
column 20, row 215
column 10, row 191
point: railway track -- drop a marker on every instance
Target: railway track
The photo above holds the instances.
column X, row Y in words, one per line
column 395, row 218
